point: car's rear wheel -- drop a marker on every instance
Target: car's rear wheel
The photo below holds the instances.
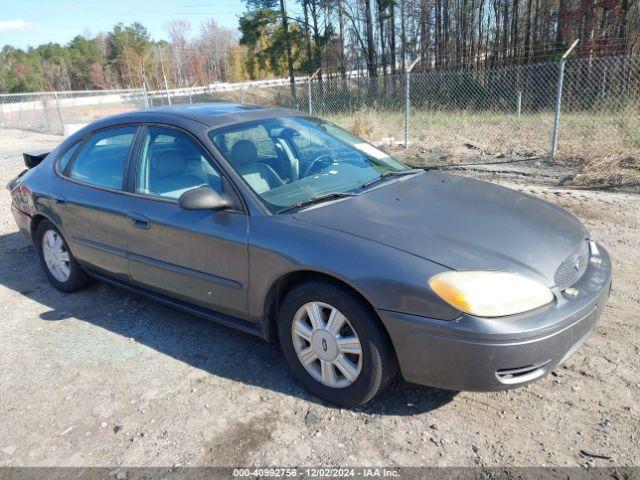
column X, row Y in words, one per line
column 334, row 344
column 59, row 265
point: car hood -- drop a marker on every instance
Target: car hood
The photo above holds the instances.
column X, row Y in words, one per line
column 460, row 223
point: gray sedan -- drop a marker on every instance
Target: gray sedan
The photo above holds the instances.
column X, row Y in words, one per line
column 290, row 228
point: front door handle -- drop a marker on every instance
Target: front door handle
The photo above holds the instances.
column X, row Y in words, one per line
column 138, row 220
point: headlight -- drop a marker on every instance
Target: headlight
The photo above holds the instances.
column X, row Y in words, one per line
column 490, row 294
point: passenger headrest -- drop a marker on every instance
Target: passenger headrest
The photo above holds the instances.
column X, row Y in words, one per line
column 244, row 152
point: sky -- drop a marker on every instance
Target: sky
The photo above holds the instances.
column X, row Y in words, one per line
column 33, row 22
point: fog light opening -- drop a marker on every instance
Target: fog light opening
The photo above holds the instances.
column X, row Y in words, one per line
column 571, row 292
column 511, row 376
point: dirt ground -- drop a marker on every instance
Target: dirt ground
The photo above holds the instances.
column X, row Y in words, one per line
column 105, row 377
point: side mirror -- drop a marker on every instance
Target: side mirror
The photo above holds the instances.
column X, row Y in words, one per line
column 203, row 198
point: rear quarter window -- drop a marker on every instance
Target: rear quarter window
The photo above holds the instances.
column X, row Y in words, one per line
column 64, row 159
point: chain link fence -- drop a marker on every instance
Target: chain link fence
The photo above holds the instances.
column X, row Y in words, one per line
column 61, row 112
column 601, row 108
column 507, row 111
column 502, row 111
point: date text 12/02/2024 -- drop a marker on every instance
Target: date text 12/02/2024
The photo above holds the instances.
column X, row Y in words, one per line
column 317, row 472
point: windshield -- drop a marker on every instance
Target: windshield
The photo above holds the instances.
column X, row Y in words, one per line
column 290, row 160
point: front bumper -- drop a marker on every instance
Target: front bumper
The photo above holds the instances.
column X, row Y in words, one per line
column 472, row 353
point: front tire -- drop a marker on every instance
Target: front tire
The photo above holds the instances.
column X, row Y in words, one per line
column 59, row 265
column 334, row 344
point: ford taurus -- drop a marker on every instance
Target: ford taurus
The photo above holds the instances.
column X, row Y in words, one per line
column 288, row 227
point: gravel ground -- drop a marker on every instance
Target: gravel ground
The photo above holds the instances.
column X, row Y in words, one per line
column 105, row 377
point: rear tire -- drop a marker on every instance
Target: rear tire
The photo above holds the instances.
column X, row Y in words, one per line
column 59, row 265
column 334, row 344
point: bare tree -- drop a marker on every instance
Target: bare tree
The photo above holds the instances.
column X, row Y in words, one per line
column 216, row 46
column 178, row 30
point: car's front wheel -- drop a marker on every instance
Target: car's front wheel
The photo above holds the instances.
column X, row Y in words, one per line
column 334, row 344
column 61, row 268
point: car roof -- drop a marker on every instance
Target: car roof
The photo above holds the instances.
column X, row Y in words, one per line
column 209, row 114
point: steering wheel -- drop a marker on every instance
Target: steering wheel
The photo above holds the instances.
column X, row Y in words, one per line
column 321, row 161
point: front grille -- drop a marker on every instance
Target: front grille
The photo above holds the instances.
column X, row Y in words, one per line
column 574, row 266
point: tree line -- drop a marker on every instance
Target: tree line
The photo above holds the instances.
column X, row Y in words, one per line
column 289, row 38
column 126, row 57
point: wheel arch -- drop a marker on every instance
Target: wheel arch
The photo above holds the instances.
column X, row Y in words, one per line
column 283, row 284
column 35, row 221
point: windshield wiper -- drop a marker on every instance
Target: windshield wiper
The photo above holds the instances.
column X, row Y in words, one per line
column 391, row 173
column 317, row 199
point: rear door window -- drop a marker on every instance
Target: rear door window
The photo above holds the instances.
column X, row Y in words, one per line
column 103, row 158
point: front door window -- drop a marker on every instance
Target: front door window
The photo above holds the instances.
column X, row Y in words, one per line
column 171, row 163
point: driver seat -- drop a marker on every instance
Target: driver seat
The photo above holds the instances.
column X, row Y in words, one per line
column 260, row 176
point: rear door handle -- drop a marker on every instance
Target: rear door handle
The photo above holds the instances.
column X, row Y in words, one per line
column 59, row 200
column 138, row 220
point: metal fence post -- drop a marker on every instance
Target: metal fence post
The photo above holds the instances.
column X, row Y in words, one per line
column 309, row 96
column 519, row 103
column 407, row 81
column 46, row 114
column 309, row 91
column 55, row 94
column 556, row 118
column 407, row 101
column 147, row 104
column 166, row 87
column 2, row 121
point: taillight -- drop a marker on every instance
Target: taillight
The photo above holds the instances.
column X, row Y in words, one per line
column 14, row 182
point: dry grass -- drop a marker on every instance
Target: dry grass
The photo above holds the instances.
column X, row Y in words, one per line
column 603, row 148
column 370, row 124
column 609, row 172
column 584, row 136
